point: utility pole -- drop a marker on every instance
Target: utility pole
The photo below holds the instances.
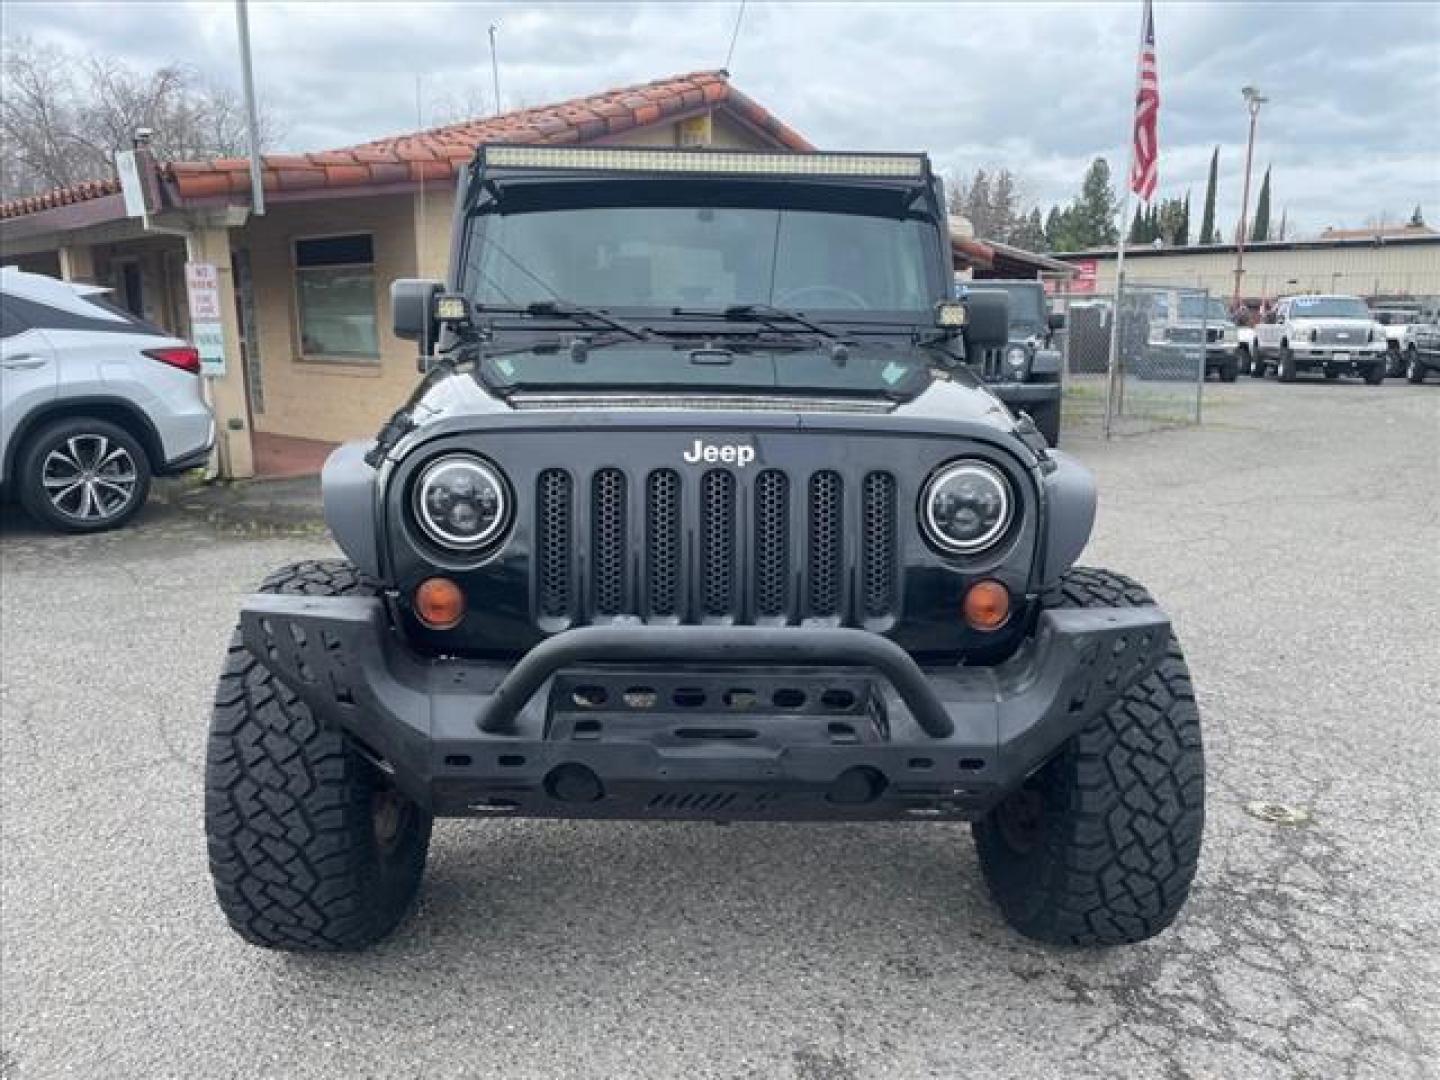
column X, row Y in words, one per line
column 252, row 121
column 1253, row 101
column 495, row 68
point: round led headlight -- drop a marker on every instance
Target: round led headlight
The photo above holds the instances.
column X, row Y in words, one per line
column 966, row 507
column 1015, row 356
column 461, row 502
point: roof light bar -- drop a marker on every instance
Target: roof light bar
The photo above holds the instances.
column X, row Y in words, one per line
column 904, row 166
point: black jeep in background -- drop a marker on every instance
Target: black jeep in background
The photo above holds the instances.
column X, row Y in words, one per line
column 1024, row 372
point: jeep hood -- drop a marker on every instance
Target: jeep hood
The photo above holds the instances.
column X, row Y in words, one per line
column 945, row 396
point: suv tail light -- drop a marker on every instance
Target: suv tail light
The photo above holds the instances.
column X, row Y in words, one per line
column 184, row 357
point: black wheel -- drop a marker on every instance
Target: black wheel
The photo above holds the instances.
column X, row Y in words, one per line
column 1414, row 369
column 1047, row 418
column 1229, row 370
column 1100, row 846
column 1255, row 364
column 1374, row 375
column 83, row 475
column 311, row 848
column 1285, row 370
column 1331, row 374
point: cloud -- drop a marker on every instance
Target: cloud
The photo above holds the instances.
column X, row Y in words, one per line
column 1039, row 88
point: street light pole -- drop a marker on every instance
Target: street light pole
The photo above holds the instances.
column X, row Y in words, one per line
column 252, row 121
column 1253, row 101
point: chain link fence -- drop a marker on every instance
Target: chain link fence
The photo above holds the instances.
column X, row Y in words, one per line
column 1160, row 347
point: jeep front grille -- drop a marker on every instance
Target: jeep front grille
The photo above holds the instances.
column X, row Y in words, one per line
column 716, row 546
column 989, row 364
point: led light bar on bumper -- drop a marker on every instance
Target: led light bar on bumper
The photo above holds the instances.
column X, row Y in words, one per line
column 731, row 162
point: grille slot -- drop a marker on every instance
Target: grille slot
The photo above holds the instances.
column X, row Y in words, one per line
column 554, row 523
column 764, row 546
column 879, row 556
column 607, row 520
column 827, row 536
column 662, row 541
column 717, row 542
column 772, row 542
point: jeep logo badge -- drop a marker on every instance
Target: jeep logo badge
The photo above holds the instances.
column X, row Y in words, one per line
column 737, row 454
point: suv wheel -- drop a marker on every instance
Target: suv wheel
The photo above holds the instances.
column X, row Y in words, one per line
column 1285, row 369
column 80, row 475
column 1229, row 370
column 311, row 847
column 1100, row 846
column 1414, row 370
column 1374, row 375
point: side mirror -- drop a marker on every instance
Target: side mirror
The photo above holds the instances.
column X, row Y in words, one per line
column 987, row 320
column 1057, row 320
column 412, row 310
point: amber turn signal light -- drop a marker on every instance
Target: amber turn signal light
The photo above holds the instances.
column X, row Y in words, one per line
column 987, row 605
column 439, row 603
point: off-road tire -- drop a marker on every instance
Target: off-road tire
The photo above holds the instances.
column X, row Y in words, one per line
column 1414, row 369
column 1229, row 370
column 311, row 849
column 1374, row 375
column 54, row 437
column 1099, row 846
column 1285, row 369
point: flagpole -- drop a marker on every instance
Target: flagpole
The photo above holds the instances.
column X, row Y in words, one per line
column 1112, row 372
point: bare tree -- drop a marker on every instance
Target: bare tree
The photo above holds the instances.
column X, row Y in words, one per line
column 62, row 116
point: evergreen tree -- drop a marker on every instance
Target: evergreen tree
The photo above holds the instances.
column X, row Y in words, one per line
column 1003, row 208
column 1094, row 212
column 977, row 204
column 1029, row 232
column 1208, row 233
column 1137, row 227
column 1417, row 219
column 1053, row 227
column 1261, row 231
column 1182, row 235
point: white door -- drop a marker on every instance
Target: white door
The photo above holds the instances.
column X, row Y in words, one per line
column 29, row 375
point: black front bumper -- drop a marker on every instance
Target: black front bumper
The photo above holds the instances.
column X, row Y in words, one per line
column 726, row 723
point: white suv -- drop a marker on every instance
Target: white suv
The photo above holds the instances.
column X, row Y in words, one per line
column 93, row 402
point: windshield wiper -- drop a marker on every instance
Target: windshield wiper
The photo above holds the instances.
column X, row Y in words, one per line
column 575, row 313
column 764, row 314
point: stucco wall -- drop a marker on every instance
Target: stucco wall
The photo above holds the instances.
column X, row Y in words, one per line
column 329, row 400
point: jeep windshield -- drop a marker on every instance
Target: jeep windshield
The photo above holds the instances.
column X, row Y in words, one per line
column 716, row 282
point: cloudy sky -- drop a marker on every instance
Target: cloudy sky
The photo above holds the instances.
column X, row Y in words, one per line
column 1351, row 129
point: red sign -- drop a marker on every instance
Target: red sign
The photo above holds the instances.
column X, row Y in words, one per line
column 1084, row 279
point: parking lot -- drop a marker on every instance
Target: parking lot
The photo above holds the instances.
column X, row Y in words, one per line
column 1295, row 539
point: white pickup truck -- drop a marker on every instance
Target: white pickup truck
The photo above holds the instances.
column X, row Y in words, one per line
column 1399, row 322
column 1335, row 335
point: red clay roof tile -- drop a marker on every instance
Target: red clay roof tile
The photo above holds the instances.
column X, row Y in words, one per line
column 440, row 153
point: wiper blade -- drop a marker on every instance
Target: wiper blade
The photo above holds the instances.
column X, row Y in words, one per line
column 765, row 315
column 575, row 313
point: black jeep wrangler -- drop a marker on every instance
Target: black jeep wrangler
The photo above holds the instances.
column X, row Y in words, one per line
column 699, row 513
column 1024, row 372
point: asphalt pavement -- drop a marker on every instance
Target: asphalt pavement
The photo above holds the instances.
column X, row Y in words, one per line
column 1295, row 539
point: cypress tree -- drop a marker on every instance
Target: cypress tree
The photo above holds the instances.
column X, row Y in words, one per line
column 1208, row 234
column 1261, row 231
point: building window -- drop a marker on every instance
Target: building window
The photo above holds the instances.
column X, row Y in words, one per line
column 335, row 298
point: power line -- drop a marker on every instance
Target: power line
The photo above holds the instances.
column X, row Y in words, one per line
column 734, row 35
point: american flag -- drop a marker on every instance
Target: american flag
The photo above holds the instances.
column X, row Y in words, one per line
column 1143, row 173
